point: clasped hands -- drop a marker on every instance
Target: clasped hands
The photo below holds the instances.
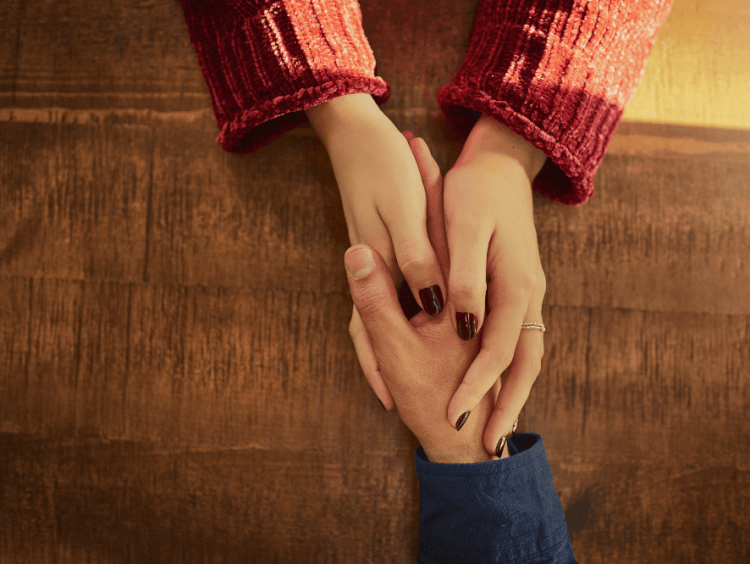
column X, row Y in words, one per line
column 474, row 230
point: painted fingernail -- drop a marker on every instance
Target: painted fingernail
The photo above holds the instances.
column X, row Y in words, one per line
column 462, row 420
column 515, row 426
column 432, row 298
column 466, row 324
column 500, row 447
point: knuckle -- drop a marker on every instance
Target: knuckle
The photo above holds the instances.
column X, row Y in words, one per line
column 526, row 280
column 500, row 359
column 412, row 261
column 516, row 296
column 465, row 286
column 519, row 289
column 471, row 391
column 372, row 302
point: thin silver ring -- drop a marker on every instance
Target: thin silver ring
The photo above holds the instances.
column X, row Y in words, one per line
column 539, row 326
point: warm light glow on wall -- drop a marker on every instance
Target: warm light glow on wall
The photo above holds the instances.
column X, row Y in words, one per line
column 699, row 70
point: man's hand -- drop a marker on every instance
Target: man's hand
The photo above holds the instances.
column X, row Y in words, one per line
column 491, row 235
column 384, row 205
column 421, row 360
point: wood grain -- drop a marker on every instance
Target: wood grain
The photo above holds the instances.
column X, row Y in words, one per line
column 100, row 500
column 177, row 381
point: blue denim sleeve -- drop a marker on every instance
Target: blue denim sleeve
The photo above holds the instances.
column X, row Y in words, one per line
column 491, row 512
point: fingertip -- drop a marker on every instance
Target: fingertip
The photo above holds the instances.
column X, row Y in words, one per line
column 424, row 277
column 494, row 441
column 467, row 325
column 432, row 300
column 468, row 312
column 462, row 420
column 458, row 412
column 467, row 279
column 490, row 442
column 495, row 430
column 501, row 444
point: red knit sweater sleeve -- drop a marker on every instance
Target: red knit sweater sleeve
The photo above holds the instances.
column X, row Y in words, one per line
column 559, row 73
column 264, row 61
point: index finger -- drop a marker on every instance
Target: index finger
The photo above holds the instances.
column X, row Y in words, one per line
column 433, row 187
column 432, row 180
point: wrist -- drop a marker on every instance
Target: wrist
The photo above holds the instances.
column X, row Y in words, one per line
column 468, row 456
column 341, row 113
column 490, row 137
column 443, row 444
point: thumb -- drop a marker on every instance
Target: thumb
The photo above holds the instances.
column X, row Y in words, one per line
column 375, row 297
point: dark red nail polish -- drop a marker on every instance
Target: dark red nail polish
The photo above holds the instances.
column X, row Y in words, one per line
column 432, row 298
column 500, row 447
column 466, row 323
column 462, row 420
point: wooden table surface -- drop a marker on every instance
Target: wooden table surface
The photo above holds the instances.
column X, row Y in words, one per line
column 177, row 381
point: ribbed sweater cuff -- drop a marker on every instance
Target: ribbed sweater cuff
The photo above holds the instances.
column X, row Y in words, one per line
column 264, row 64
column 559, row 73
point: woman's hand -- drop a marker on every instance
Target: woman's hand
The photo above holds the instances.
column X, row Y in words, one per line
column 384, row 205
column 491, row 235
column 420, row 359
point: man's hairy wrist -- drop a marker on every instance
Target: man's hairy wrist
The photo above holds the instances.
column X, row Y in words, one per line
column 471, row 456
column 341, row 113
